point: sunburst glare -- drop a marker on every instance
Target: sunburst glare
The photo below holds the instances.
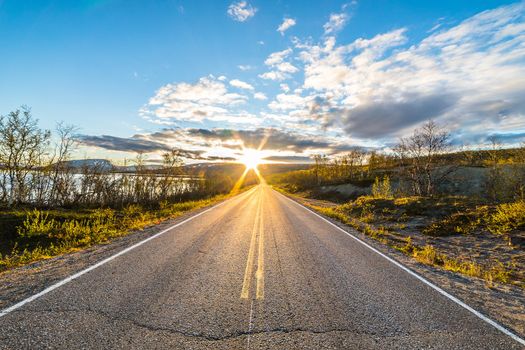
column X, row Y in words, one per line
column 251, row 158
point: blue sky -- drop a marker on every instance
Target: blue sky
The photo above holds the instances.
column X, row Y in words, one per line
column 206, row 76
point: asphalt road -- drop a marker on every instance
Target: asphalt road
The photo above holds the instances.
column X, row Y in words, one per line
column 257, row 272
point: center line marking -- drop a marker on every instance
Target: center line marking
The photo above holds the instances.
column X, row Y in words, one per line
column 260, row 260
column 251, row 253
column 257, row 238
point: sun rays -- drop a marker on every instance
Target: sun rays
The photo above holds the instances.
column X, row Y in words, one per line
column 251, row 158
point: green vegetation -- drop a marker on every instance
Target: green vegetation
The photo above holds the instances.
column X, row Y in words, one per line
column 41, row 234
column 506, row 218
column 381, row 188
column 457, row 223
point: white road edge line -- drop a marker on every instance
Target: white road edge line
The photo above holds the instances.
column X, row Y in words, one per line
column 105, row 261
column 422, row 279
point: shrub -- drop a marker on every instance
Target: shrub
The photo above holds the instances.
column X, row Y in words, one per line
column 506, row 218
column 381, row 188
column 334, row 214
column 37, row 223
column 408, row 248
column 498, row 273
column 43, row 234
column 457, row 223
column 428, row 255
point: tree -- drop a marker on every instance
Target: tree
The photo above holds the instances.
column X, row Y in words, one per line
column 381, row 188
column 23, row 147
column 171, row 166
column 495, row 180
column 519, row 173
column 319, row 167
column 62, row 179
column 422, row 158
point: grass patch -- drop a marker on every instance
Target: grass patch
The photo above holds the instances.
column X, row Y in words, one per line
column 502, row 220
column 506, row 218
column 42, row 234
column 457, row 223
column 429, row 255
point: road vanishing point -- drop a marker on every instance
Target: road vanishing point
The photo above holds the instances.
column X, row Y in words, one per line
column 258, row 271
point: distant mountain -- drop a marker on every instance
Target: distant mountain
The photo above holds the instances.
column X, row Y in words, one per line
column 102, row 164
column 133, row 168
column 105, row 165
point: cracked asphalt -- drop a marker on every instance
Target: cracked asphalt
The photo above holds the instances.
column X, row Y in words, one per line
column 257, row 272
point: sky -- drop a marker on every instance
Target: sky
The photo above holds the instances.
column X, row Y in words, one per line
column 293, row 78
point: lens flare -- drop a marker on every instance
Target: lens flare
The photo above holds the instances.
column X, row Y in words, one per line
column 251, row 158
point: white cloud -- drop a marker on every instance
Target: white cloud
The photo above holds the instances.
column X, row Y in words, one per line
column 336, row 22
column 272, row 75
column 436, row 26
column 287, row 24
column 277, row 57
column 240, row 84
column 329, row 67
column 374, row 89
column 245, row 67
column 289, row 102
column 260, row 96
column 208, row 99
column 241, row 11
column 281, row 68
column 286, row 67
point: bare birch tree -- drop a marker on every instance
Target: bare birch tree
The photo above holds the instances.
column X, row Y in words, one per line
column 23, row 146
column 422, row 158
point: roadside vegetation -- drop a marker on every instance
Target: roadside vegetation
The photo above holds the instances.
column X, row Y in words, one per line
column 50, row 205
column 40, row 233
column 462, row 211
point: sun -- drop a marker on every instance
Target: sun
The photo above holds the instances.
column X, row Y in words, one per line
column 251, row 158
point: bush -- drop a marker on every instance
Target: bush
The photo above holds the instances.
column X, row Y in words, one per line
column 381, row 188
column 428, row 255
column 37, row 223
column 506, row 218
column 457, row 223
column 43, row 234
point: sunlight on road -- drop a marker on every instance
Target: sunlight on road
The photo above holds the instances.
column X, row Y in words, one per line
column 257, row 237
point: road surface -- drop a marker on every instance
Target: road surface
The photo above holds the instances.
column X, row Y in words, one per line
column 256, row 272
